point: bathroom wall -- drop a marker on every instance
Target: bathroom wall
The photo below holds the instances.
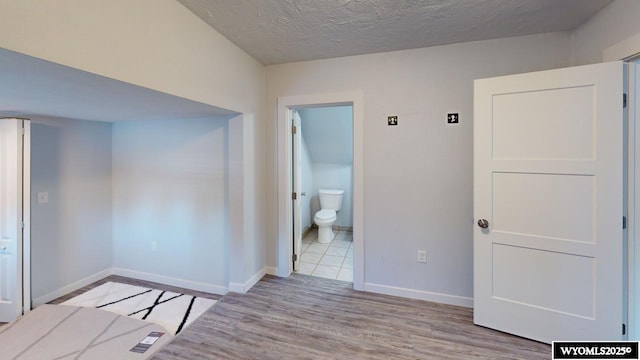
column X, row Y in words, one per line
column 170, row 201
column 328, row 132
column 71, row 233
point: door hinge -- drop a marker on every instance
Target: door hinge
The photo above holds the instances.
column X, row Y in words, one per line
column 624, row 329
column 624, row 222
column 295, row 257
column 624, row 101
column 294, row 196
column 294, row 129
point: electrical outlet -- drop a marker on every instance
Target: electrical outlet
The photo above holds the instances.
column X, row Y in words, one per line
column 154, row 246
column 422, row 256
column 452, row 118
column 392, row 120
column 43, row 197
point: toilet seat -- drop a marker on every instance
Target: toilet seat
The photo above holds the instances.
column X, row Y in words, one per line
column 325, row 215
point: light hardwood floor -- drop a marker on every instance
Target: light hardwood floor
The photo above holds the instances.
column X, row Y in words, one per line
column 303, row 317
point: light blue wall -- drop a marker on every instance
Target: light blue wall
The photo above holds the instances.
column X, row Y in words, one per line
column 328, row 132
column 328, row 135
column 170, row 187
column 71, row 234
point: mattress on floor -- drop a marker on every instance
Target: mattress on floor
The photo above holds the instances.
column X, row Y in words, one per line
column 70, row 332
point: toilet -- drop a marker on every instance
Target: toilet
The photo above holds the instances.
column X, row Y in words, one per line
column 330, row 203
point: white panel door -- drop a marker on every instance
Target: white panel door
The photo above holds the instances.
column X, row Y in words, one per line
column 297, row 188
column 10, row 219
column 548, row 186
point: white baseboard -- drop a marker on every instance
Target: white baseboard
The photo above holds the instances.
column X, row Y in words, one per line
column 419, row 294
column 71, row 287
column 243, row 288
column 167, row 280
column 271, row 270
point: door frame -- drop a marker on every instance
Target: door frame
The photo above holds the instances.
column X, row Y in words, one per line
column 629, row 50
column 27, row 302
column 285, row 222
column 633, row 203
column 297, row 188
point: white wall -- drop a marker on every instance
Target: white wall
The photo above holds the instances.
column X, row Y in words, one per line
column 161, row 45
column 170, row 186
column 417, row 175
column 613, row 24
column 71, row 234
column 157, row 44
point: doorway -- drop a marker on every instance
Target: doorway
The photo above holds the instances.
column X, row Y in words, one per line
column 286, row 107
column 322, row 168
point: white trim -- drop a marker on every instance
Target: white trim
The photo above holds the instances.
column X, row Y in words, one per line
column 420, row 295
column 26, row 216
column 243, row 288
column 285, row 241
column 622, row 50
column 72, row 287
column 633, row 101
column 167, row 280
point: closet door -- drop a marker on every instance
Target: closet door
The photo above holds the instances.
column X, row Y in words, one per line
column 11, row 229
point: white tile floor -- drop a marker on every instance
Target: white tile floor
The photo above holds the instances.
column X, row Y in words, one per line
column 331, row 261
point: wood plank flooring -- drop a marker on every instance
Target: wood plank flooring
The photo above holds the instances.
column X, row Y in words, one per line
column 303, row 317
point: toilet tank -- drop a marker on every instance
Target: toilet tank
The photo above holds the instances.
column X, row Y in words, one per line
column 330, row 199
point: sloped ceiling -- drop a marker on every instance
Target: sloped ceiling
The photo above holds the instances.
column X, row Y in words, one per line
column 34, row 87
column 328, row 132
column 283, row 31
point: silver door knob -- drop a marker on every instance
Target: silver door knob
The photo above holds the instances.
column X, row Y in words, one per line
column 483, row 223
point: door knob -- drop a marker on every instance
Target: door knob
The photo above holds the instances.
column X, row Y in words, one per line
column 483, row 223
column 303, row 194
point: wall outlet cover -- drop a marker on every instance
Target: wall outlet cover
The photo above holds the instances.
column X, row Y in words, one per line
column 422, row 256
column 43, row 197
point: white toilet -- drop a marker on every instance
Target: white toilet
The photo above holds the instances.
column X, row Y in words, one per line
column 330, row 202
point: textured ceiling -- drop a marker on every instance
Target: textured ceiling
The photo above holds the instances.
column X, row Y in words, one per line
column 282, row 31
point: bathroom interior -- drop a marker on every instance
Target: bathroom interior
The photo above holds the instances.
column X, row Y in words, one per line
column 325, row 170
